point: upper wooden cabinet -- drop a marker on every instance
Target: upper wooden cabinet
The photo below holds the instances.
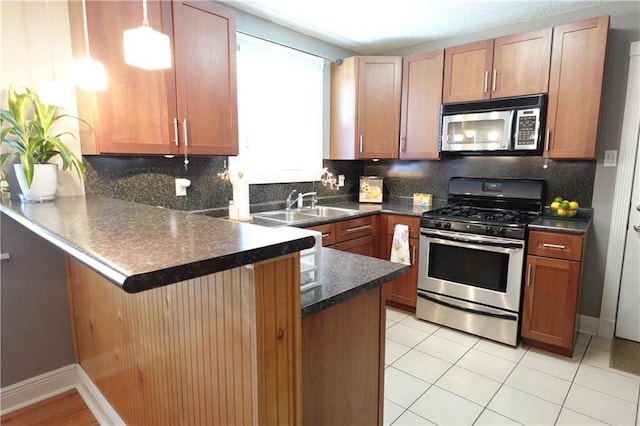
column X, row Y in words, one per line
column 514, row 65
column 420, row 109
column 191, row 105
column 575, row 88
column 365, row 107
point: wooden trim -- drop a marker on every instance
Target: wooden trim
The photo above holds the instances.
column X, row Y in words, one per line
column 218, row 349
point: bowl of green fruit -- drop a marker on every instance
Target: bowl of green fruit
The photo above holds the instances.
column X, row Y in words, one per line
column 564, row 208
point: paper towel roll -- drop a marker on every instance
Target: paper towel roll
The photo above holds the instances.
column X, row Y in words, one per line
column 241, row 196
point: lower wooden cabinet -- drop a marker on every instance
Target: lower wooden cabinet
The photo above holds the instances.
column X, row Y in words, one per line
column 357, row 235
column 401, row 292
column 552, row 291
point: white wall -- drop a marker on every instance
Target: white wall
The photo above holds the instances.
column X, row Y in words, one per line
column 33, row 46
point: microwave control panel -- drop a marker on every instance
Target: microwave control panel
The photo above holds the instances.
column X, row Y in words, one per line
column 527, row 129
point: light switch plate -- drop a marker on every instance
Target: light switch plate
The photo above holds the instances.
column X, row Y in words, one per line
column 610, row 158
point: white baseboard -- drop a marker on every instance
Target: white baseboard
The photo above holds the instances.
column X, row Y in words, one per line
column 606, row 328
column 99, row 406
column 588, row 325
column 47, row 385
column 36, row 389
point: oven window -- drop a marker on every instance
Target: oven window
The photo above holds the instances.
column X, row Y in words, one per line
column 478, row 268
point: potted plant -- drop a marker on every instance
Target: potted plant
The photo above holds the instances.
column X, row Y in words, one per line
column 26, row 129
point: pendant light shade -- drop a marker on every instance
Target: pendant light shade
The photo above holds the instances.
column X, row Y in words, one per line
column 88, row 73
column 145, row 47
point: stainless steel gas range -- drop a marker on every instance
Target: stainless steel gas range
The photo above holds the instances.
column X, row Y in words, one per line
column 472, row 256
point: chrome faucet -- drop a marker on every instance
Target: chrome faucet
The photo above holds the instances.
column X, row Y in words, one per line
column 314, row 198
column 300, row 199
column 290, row 201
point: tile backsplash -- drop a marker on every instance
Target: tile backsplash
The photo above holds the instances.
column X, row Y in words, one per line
column 150, row 180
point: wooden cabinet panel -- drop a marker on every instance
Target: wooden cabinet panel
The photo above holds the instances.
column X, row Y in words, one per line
column 521, row 64
column 556, row 245
column 466, row 72
column 575, row 88
column 356, row 228
column 205, row 57
column 135, row 113
column 422, row 76
column 190, row 106
column 513, row 65
column 365, row 107
column 401, row 291
column 551, row 301
column 328, row 232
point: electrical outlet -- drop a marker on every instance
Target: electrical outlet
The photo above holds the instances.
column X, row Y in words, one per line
column 340, row 180
column 610, row 158
column 181, row 187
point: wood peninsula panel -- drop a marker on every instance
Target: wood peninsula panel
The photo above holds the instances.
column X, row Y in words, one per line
column 219, row 349
column 343, row 363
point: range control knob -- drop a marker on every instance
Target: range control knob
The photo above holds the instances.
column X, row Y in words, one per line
column 502, row 231
column 489, row 230
column 437, row 224
column 446, row 225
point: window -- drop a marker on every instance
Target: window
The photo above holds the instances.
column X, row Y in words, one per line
column 280, row 105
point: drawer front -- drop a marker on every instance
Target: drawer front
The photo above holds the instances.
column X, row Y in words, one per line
column 328, row 232
column 414, row 224
column 556, row 245
column 356, row 228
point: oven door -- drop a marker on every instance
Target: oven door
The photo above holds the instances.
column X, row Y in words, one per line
column 482, row 131
column 480, row 269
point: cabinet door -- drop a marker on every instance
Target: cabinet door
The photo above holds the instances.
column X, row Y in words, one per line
column 134, row 115
column 466, row 72
column 205, row 57
column 328, row 232
column 378, row 106
column 363, row 245
column 550, row 301
column 521, row 64
column 575, row 87
column 420, row 110
column 403, row 290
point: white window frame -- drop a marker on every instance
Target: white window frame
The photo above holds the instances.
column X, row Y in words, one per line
column 302, row 160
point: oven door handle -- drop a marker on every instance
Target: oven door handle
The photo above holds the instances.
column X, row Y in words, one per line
column 465, row 309
column 473, row 241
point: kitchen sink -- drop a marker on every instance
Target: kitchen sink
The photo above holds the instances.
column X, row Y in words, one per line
column 304, row 214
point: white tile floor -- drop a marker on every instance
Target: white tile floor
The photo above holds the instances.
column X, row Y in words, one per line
column 435, row 375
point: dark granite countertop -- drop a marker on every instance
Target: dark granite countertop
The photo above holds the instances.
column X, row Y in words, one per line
column 139, row 247
column 578, row 224
column 346, row 275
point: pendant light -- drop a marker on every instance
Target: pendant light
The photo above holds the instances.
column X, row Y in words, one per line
column 88, row 73
column 146, row 48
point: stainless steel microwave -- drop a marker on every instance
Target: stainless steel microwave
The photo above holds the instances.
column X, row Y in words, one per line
column 498, row 127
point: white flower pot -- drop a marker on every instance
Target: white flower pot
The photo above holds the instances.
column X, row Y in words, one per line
column 44, row 184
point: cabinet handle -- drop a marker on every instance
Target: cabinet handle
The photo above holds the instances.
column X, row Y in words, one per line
column 5, row 256
column 546, row 149
column 327, row 235
column 528, row 274
column 358, row 228
column 495, row 77
column 185, row 132
column 175, row 130
column 413, row 249
column 486, row 81
column 402, row 143
column 554, row 246
column 361, row 143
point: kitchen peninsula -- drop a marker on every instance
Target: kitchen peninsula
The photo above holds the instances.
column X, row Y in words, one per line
column 185, row 319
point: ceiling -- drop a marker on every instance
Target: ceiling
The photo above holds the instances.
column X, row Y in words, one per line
column 375, row 26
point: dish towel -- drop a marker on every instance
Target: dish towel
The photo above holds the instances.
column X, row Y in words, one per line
column 400, row 245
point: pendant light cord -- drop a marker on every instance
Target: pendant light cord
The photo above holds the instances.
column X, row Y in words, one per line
column 86, row 31
column 53, row 65
column 145, row 18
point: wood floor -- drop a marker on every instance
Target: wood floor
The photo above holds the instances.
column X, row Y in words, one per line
column 66, row 409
